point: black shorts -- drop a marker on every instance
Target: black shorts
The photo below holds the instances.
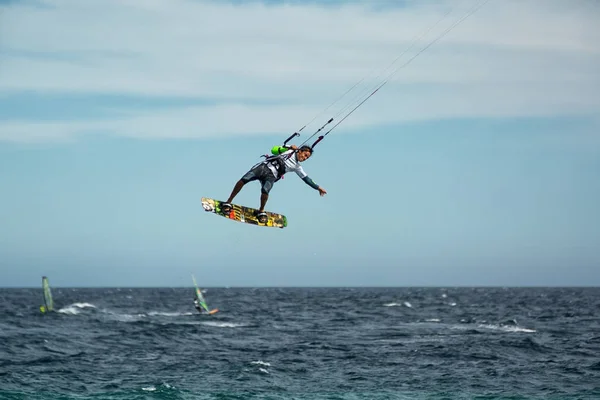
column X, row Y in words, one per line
column 263, row 174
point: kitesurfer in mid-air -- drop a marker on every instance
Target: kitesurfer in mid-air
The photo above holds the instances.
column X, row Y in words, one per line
column 284, row 159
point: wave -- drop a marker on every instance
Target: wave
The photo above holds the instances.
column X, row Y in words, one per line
column 406, row 304
column 169, row 314
column 75, row 308
column 222, row 324
column 259, row 362
column 506, row 328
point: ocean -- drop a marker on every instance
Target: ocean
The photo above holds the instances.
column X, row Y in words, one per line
column 301, row 343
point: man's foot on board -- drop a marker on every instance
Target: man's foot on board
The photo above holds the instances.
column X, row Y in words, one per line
column 226, row 207
column 262, row 217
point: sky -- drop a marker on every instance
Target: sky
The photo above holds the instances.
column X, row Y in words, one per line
column 476, row 164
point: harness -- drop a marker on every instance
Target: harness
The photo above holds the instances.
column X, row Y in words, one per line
column 279, row 164
column 277, row 161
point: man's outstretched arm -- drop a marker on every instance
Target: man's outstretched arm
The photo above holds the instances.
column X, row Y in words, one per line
column 313, row 185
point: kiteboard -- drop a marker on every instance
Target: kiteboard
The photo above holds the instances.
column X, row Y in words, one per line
column 244, row 214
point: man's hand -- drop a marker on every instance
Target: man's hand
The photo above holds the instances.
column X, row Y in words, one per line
column 322, row 191
column 294, row 147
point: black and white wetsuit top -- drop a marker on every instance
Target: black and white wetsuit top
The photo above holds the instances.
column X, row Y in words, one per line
column 290, row 162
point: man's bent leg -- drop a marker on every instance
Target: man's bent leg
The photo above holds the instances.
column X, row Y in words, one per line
column 236, row 189
column 248, row 176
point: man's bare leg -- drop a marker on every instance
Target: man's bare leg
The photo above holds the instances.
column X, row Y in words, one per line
column 236, row 189
column 263, row 201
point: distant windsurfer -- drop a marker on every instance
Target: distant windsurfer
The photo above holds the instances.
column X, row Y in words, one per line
column 198, row 307
column 284, row 159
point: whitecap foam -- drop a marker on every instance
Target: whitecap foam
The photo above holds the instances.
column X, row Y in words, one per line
column 259, row 362
column 222, row 324
column 69, row 310
column 168, row 314
column 391, row 305
column 507, row 328
column 149, row 389
column 75, row 308
column 263, row 370
column 83, row 305
column 124, row 317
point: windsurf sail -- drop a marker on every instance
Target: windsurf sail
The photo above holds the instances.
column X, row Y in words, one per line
column 199, row 296
column 48, row 302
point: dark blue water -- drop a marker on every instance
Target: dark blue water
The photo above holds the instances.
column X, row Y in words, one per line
column 320, row 343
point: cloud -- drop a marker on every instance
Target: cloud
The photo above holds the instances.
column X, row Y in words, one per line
column 271, row 68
